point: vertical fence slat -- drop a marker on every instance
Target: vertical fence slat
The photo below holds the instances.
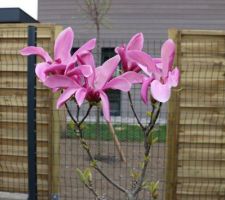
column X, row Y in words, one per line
column 31, row 117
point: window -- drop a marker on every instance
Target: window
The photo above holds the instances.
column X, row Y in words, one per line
column 73, row 50
column 114, row 95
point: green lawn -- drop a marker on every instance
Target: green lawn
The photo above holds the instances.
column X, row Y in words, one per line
column 124, row 132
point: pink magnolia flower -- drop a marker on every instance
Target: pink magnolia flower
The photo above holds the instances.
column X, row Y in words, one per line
column 93, row 87
column 135, row 43
column 62, row 57
column 161, row 76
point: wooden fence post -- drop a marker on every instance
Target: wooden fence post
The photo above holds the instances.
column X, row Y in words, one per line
column 172, row 128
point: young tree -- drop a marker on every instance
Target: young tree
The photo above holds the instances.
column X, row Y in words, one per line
column 78, row 79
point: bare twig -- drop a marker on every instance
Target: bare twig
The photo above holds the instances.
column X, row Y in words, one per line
column 71, row 115
column 90, row 187
column 134, row 112
column 154, row 116
column 87, row 113
column 97, row 168
column 87, row 149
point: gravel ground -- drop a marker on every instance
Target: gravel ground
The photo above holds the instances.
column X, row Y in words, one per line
column 73, row 157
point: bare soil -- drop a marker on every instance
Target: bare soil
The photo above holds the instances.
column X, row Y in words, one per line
column 72, row 157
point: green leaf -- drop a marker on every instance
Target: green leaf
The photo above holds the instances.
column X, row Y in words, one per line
column 149, row 114
column 93, row 163
column 87, row 174
column 81, row 175
column 135, row 175
column 152, row 139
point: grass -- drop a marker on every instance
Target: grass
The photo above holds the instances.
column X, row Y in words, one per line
column 124, row 132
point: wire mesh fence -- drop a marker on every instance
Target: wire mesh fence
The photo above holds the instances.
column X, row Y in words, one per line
column 191, row 169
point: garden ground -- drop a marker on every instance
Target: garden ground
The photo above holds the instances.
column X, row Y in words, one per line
column 72, row 157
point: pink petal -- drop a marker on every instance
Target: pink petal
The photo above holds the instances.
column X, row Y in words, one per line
column 144, row 89
column 144, row 61
column 88, row 46
column 60, row 81
column 86, row 59
column 173, row 77
column 118, row 83
column 122, row 53
column 65, row 96
column 167, row 54
column 40, row 71
column 63, row 45
column 160, row 92
column 85, row 70
column 55, row 68
column 31, row 50
column 157, row 60
column 133, row 77
column 80, row 95
column 84, row 49
column 136, row 42
column 105, row 105
column 105, row 72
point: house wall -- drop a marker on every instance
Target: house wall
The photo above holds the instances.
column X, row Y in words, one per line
column 152, row 17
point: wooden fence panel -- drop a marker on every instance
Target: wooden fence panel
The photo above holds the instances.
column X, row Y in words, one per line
column 13, row 115
column 196, row 130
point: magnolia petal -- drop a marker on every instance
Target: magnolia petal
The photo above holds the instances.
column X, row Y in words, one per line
column 157, row 60
column 31, row 50
column 143, row 60
column 60, row 81
column 136, row 42
column 86, row 58
column 40, row 71
column 84, row 49
column 84, row 70
column 118, row 83
column 88, row 46
column 67, row 93
column 105, row 105
column 173, row 77
column 80, row 96
column 63, row 45
column 55, row 68
column 105, row 72
column 121, row 51
column 160, row 92
column 133, row 77
column 144, row 90
column 167, row 56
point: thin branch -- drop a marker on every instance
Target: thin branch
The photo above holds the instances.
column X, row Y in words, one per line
column 154, row 117
column 71, row 115
column 87, row 113
column 96, row 167
column 85, row 146
column 90, row 187
column 134, row 112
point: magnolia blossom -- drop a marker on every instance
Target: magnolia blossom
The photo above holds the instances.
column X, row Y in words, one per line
column 76, row 76
column 135, row 43
column 62, row 57
column 161, row 76
column 93, row 87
